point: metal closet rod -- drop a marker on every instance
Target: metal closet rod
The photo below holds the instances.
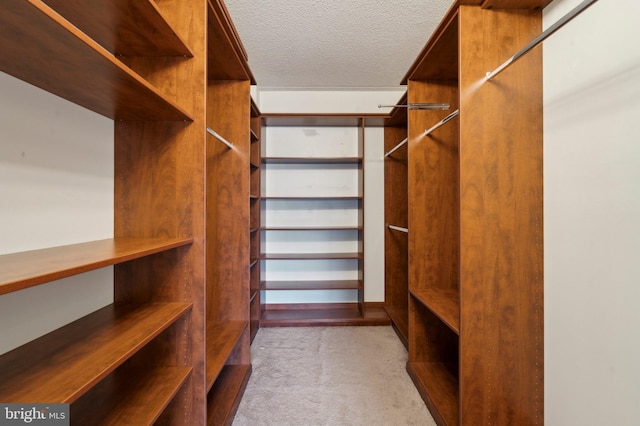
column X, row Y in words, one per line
column 220, row 138
column 404, row 141
column 398, row 228
column 441, row 122
column 545, row 34
column 430, row 106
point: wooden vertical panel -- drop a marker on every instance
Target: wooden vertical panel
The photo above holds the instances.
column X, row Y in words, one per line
column 396, row 243
column 228, row 207
column 159, row 191
column 501, row 341
column 433, row 190
column 228, row 201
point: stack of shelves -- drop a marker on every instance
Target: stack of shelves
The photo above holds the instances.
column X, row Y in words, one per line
column 396, row 219
column 312, row 222
column 138, row 360
column 254, row 230
column 475, row 215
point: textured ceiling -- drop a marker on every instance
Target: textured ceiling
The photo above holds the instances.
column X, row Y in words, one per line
column 334, row 43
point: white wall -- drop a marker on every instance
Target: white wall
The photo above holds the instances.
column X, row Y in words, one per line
column 592, row 215
column 56, row 188
column 374, row 214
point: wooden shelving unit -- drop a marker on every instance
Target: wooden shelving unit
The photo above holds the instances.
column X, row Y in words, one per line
column 475, row 214
column 299, row 159
column 150, row 334
column 395, row 213
column 254, row 230
column 177, row 334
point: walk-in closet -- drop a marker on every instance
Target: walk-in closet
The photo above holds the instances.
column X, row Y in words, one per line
column 230, row 212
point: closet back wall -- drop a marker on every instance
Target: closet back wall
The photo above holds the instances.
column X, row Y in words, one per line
column 342, row 102
column 56, row 188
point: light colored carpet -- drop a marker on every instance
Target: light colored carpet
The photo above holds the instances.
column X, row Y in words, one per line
column 339, row 376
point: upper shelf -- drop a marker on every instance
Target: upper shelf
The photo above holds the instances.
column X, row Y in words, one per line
column 226, row 56
column 438, row 60
column 124, row 27
column 27, row 269
column 45, row 50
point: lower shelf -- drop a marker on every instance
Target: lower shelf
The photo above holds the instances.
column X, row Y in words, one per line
column 322, row 315
column 400, row 321
column 224, row 397
column 222, row 338
column 130, row 397
column 65, row 364
column 438, row 386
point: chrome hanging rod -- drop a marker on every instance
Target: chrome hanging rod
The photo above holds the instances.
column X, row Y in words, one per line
column 444, row 120
column 397, row 228
column 396, row 147
column 220, row 138
column 419, row 106
column 545, row 34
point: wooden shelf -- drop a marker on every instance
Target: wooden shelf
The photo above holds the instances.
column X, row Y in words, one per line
column 438, row 385
column 310, row 256
column 130, row 396
column 225, row 396
column 310, row 315
column 254, row 136
column 222, row 338
column 316, row 120
column 253, row 262
column 252, row 230
column 254, row 165
column 226, row 57
column 307, row 198
column 400, row 319
column 33, row 38
column 312, row 160
column 27, row 269
column 445, row 304
column 124, row 27
column 312, row 285
column 64, row 364
column 253, row 197
column 438, row 60
column 312, row 228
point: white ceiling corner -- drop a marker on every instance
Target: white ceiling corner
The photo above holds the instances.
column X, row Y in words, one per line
column 334, row 44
